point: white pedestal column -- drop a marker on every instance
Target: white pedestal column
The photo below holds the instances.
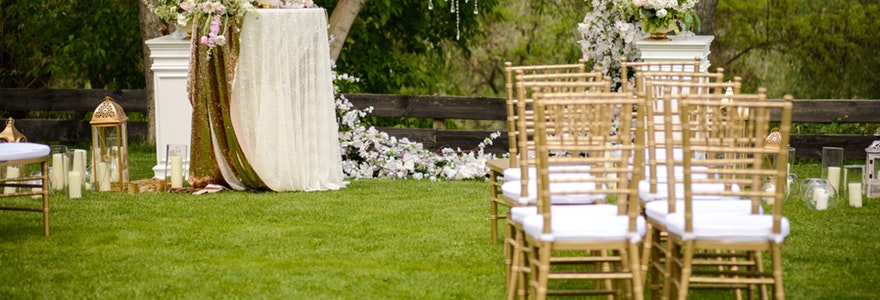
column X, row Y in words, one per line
column 173, row 111
column 677, row 49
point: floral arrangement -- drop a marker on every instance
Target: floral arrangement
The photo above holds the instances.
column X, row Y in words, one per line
column 607, row 34
column 214, row 15
column 369, row 153
column 611, row 27
column 662, row 14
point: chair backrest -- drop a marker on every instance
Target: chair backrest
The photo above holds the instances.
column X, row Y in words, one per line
column 654, row 66
column 510, row 78
column 574, row 129
column 527, row 85
column 663, row 132
column 732, row 148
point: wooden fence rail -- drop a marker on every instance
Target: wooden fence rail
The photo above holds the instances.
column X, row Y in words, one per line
column 15, row 102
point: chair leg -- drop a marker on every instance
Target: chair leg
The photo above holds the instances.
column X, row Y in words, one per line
column 540, row 271
column 655, row 266
column 637, row 282
column 686, row 268
column 776, row 254
column 646, row 250
column 672, row 279
column 44, row 166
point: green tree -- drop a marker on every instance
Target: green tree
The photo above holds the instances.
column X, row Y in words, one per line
column 810, row 49
column 72, row 44
column 388, row 40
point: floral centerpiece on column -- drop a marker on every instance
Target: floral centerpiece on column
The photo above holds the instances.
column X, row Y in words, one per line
column 611, row 27
column 659, row 17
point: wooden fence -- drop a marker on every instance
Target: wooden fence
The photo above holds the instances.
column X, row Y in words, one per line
column 18, row 101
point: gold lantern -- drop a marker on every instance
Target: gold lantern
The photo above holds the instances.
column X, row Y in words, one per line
column 110, row 147
column 11, row 134
column 872, row 168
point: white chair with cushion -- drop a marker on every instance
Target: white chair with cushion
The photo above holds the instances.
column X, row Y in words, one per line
column 21, row 155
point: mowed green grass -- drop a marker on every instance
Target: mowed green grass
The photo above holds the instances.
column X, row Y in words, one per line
column 375, row 239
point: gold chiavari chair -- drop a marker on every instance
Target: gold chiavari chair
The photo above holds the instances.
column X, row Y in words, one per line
column 19, row 156
column 729, row 137
column 520, row 186
column 574, row 129
column 663, row 161
column 497, row 166
column 688, row 66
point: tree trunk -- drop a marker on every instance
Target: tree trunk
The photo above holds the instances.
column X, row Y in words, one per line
column 151, row 27
column 343, row 16
column 706, row 11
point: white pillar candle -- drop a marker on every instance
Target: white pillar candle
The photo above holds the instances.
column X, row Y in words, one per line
column 66, row 168
column 176, row 172
column 75, row 187
column 103, row 177
column 35, row 190
column 770, row 188
column 834, row 177
column 79, row 161
column 11, row 172
column 820, row 197
column 56, row 177
column 114, row 171
column 855, row 194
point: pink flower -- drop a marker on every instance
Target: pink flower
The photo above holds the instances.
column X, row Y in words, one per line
column 184, row 5
column 639, row 3
column 204, row 40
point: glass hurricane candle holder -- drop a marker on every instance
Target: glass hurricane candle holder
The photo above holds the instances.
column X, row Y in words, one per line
column 832, row 165
column 59, row 166
column 792, row 186
column 821, row 195
column 853, row 187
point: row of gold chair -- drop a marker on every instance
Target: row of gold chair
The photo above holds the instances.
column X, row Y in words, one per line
column 568, row 168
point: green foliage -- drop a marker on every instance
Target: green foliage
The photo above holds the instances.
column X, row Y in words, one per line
column 389, row 38
column 70, row 44
column 810, row 49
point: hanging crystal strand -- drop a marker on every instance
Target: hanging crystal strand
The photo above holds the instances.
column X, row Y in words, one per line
column 476, row 10
column 457, row 21
column 430, row 4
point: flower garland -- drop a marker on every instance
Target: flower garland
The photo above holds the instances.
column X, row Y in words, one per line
column 370, row 153
column 215, row 15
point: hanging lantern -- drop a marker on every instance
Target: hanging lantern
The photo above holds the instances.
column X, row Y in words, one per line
column 11, row 134
column 872, row 168
column 110, row 147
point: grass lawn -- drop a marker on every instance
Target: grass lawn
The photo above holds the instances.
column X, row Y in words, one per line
column 375, row 239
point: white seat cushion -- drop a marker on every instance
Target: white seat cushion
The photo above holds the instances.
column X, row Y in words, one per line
column 658, row 210
column 19, row 151
column 729, row 227
column 512, row 190
column 663, row 191
column 511, row 174
column 583, row 229
column 519, row 213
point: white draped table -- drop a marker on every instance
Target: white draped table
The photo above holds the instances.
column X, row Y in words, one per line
column 282, row 105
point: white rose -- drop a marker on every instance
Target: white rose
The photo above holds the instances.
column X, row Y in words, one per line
column 661, row 13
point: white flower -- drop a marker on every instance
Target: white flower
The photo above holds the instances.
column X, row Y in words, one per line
column 220, row 40
column 661, row 13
